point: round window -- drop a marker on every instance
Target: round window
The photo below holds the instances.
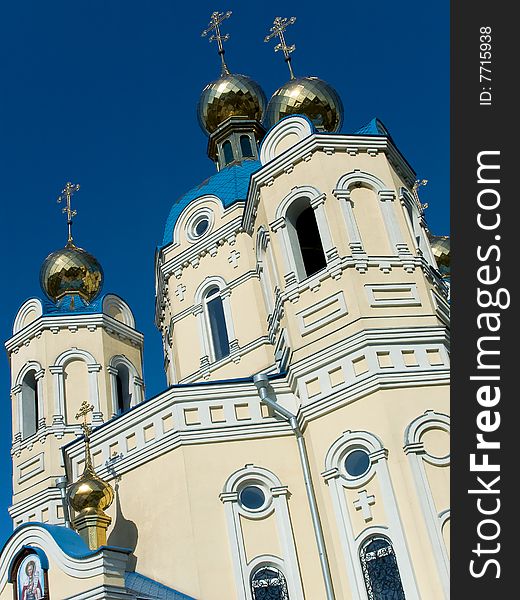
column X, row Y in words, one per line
column 201, row 226
column 357, row 463
column 252, row 497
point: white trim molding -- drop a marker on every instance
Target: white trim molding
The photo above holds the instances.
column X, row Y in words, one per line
column 293, row 129
column 337, row 479
column 276, row 502
column 33, row 305
column 417, row 455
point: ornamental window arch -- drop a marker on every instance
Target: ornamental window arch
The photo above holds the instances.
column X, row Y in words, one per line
column 266, row 269
column 256, row 493
column 416, row 225
column 356, row 465
column 425, row 453
column 213, row 309
column 28, row 390
column 305, row 232
column 126, row 384
column 380, row 568
column 87, row 368
column 369, row 213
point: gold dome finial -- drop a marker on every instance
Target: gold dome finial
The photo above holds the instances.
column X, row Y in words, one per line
column 280, row 24
column 90, row 495
column 214, row 25
column 66, row 194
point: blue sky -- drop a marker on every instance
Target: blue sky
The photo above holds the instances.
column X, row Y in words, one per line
column 104, row 93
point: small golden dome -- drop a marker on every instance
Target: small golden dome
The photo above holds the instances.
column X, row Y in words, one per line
column 231, row 95
column 441, row 250
column 71, row 270
column 308, row 96
column 90, row 494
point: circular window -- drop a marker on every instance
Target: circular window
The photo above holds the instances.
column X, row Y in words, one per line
column 357, row 463
column 252, row 497
column 201, row 226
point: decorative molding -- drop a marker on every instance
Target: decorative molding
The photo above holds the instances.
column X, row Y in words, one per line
column 56, row 323
column 295, row 128
column 29, row 306
column 337, row 309
column 395, row 294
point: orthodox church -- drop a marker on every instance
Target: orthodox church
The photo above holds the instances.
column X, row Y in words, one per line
column 301, row 447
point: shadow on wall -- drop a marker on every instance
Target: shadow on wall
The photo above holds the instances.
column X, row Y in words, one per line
column 124, row 532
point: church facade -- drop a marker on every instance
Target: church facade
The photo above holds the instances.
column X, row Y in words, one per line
column 301, row 448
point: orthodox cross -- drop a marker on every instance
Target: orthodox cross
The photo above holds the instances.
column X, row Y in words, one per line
column 417, row 184
column 66, row 194
column 363, row 503
column 280, row 24
column 214, row 25
column 84, row 410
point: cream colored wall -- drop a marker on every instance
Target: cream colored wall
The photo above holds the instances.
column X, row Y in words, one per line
column 45, row 350
column 322, row 171
column 182, row 533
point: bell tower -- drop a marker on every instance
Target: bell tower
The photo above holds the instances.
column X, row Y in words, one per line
column 76, row 345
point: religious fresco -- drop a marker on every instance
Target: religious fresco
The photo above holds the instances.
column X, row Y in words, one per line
column 30, row 579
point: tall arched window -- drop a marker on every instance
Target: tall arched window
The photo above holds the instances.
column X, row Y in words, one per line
column 268, row 583
column 380, row 570
column 123, row 394
column 228, row 152
column 29, row 420
column 216, row 322
column 245, row 146
column 309, row 241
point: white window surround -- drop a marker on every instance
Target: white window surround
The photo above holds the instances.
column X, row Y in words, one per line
column 266, row 268
column 417, row 456
column 195, row 219
column 337, row 479
column 205, row 335
column 58, row 372
column 416, row 226
column 277, row 505
column 135, row 383
column 386, row 196
column 283, row 223
column 208, row 202
column 16, row 390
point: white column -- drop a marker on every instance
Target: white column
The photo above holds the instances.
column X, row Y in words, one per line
column 59, row 395
column 112, row 372
column 93, row 370
column 41, row 404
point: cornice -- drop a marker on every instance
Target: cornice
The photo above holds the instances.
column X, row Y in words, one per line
column 329, row 144
column 55, row 323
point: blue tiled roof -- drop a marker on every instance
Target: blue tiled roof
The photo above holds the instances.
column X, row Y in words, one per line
column 68, row 540
column 148, row 588
column 373, row 127
column 230, row 184
column 64, row 306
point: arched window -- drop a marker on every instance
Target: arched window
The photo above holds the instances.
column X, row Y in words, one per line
column 123, row 394
column 245, row 146
column 228, row 152
column 29, row 420
column 216, row 322
column 268, row 583
column 380, row 570
column 309, row 241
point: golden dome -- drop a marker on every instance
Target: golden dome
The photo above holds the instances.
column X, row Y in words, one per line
column 308, row 96
column 71, row 270
column 90, row 494
column 441, row 250
column 231, row 95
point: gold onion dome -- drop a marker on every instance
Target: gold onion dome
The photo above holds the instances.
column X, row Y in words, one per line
column 71, row 270
column 232, row 95
column 90, row 494
column 440, row 245
column 308, row 96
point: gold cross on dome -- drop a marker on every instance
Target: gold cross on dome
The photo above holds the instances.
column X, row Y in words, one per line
column 84, row 410
column 214, row 25
column 280, row 24
column 66, row 194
